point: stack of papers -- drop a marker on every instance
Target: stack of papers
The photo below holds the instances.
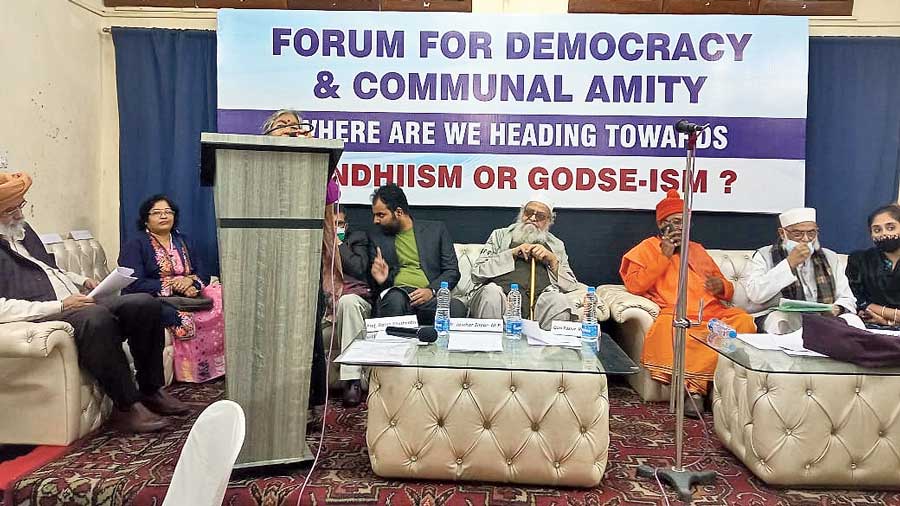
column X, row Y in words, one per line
column 375, row 352
column 475, row 341
column 802, row 306
column 536, row 336
column 113, row 283
column 792, row 343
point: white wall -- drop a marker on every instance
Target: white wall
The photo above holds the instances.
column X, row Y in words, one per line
column 60, row 118
column 50, row 102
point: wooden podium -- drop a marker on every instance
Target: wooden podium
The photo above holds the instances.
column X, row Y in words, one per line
column 270, row 202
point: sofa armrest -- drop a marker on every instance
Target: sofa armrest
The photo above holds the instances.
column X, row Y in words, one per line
column 622, row 304
column 576, row 299
column 34, row 340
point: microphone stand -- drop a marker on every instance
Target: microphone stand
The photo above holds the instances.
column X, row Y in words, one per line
column 678, row 477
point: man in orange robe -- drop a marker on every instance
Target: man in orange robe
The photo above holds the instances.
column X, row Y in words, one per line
column 650, row 269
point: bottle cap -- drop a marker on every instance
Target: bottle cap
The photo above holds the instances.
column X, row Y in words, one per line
column 732, row 334
column 445, row 284
column 591, row 289
column 514, row 286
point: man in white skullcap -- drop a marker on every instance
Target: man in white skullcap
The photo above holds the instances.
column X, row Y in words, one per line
column 506, row 259
column 797, row 267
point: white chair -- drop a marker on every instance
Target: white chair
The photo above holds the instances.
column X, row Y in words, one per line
column 202, row 473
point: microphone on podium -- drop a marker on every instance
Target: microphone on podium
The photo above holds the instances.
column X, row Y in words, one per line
column 424, row 334
column 686, row 127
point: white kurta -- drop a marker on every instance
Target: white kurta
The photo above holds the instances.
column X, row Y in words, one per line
column 766, row 280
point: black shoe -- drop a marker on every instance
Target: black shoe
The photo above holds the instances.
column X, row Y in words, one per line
column 693, row 410
column 352, row 393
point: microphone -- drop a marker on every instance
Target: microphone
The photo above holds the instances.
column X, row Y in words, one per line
column 424, row 334
column 686, row 127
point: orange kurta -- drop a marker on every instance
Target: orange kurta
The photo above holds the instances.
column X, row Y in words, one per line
column 647, row 272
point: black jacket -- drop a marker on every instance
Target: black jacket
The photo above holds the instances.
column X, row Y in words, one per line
column 355, row 255
column 437, row 257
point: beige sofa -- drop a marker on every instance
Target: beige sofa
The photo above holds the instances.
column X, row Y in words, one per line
column 633, row 315
column 54, row 401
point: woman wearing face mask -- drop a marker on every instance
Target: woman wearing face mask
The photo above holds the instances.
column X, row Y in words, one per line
column 873, row 273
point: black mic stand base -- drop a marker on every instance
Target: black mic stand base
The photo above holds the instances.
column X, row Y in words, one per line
column 681, row 481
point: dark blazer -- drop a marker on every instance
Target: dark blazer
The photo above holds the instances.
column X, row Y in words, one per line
column 355, row 255
column 138, row 254
column 436, row 254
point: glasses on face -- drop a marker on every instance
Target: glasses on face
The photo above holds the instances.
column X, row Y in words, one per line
column 158, row 213
column 13, row 210
column 798, row 235
column 534, row 213
column 292, row 129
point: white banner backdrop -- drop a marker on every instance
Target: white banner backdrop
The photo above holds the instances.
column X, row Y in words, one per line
column 461, row 112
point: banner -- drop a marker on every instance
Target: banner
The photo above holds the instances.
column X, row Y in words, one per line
column 461, row 112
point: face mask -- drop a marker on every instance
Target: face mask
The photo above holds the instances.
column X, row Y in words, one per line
column 341, row 233
column 886, row 244
column 814, row 245
column 789, row 245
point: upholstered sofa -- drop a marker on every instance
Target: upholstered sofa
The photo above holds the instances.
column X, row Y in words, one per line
column 53, row 401
column 466, row 255
column 631, row 316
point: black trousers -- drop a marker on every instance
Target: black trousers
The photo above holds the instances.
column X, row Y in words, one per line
column 317, row 380
column 100, row 331
column 396, row 303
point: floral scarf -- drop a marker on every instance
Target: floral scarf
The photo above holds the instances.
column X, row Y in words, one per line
column 167, row 272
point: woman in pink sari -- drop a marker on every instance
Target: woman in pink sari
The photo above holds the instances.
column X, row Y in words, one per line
column 164, row 267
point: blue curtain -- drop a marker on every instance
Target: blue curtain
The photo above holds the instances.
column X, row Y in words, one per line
column 166, row 83
column 853, row 134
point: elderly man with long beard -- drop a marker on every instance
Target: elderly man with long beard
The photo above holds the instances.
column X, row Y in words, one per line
column 506, row 259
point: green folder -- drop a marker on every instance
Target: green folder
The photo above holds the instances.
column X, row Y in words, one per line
column 802, row 306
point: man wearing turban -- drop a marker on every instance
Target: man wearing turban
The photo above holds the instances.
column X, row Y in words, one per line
column 650, row 269
column 33, row 288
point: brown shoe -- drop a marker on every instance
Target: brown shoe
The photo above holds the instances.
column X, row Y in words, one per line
column 163, row 403
column 352, row 393
column 137, row 418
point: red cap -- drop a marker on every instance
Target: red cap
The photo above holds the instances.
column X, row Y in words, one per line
column 670, row 205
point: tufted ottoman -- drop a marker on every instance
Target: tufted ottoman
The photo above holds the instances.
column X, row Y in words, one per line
column 488, row 425
column 823, row 430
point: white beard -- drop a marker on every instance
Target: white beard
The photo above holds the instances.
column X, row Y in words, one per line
column 527, row 233
column 13, row 230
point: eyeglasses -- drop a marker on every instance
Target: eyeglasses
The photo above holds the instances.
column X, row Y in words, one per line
column 538, row 215
column 13, row 210
column 798, row 235
column 162, row 212
column 292, row 129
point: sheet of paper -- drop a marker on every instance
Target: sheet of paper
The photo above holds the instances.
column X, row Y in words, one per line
column 804, row 353
column 475, row 341
column 51, row 238
column 80, row 235
column 760, row 341
column 373, row 325
column 476, row 324
column 792, row 341
column 374, row 352
column 383, row 337
column 572, row 329
column 113, row 283
column 536, row 336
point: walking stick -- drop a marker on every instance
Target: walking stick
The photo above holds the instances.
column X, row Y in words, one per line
column 531, row 290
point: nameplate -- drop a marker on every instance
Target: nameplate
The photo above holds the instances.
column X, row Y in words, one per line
column 476, row 324
column 373, row 325
column 572, row 329
column 51, row 238
column 80, row 235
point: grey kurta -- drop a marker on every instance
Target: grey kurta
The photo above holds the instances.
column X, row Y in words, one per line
column 488, row 299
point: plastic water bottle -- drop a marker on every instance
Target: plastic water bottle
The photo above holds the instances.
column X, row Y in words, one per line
column 721, row 335
column 513, row 316
column 442, row 313
column 590, row 331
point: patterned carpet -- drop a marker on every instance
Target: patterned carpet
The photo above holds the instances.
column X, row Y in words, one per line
column 112, row 469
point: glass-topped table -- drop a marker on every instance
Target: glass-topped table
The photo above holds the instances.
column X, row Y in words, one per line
column 779, row 362
column 517, row 355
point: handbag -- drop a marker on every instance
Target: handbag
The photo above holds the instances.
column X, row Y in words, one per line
column 189, row 304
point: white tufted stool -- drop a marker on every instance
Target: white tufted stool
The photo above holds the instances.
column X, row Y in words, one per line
column 810, row 429
column 488, row 425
